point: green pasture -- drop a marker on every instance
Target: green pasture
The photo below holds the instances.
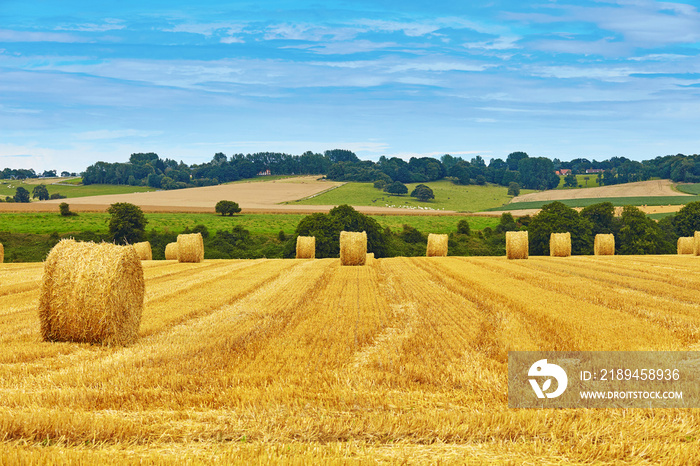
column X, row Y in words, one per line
column 592, row 181
column 9, row 188
column 689, row 188
column 269, row 224
column 448, row 196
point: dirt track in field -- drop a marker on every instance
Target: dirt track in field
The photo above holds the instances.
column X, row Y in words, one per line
column 639, row 189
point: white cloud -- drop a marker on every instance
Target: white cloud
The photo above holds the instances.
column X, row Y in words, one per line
column 7, row 35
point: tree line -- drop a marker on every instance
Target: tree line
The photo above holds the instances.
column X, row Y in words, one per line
column 148, row 169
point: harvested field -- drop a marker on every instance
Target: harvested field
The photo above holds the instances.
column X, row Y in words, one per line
column 638, row 189
column 404, row 360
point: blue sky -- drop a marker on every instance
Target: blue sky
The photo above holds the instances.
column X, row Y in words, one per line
column 86, row 81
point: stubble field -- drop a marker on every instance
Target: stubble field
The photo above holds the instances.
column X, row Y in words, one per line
column 305, row 361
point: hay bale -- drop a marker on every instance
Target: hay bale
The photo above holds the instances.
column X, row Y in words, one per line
column 144, row 251
column 369, row 259
column 2, row 253
column 353, row 248
column 190, row 248
column 604, row 245
column 696, row 243
column 517, row 246
column 437, row 245
column 560, row 244
column 91, row 293
column 171, row 251
column 306, row 247
column 685, row 245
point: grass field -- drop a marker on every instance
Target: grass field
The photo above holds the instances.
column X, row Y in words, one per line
column 581, row 181
column 302, row 362
column 448, row 196
column 618, row 201
column 71, row 191
column 47, row 223
column 691, row 188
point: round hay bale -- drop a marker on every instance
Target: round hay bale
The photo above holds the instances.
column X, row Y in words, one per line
column 437, row 245
column 353, row 248
column 696, row 243
column 517, row 246
column 604, row 245
column 685, row 245
column 369, row 259
column 144, row 251
column 306, row 247
column 190, row 248
column 560, row 244
column 91, row 293
column 2, row 253
column 171, row 251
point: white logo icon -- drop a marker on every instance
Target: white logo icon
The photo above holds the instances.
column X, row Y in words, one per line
column 542, row 369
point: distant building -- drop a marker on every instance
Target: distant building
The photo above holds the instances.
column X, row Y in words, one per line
column 563, row 172
column 595, row 170
column 264, row 173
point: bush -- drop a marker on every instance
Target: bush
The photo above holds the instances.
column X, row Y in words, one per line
column 64, row 208
column 57, row 196
column 227, row 208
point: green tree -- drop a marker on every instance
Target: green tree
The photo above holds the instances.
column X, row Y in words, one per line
column 423, row 193
column 641, row 235
column 397, row 188
column 687, row 221
column 558, row 218
column 40, row 192
column 570, row 181
column 327, row 227
column 21, row 195
column 507, row 223
column 380, row 184
column 227, row 208
column 602, row 218
column 513, row 189
column 463, row 227
column 127, row 224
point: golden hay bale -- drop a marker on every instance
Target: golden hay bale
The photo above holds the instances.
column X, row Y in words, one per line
column 437, row 245
column 517, row 246
column 144, row 250
column 171, row 251
column 190, row 248
column 560, row 244
column 91, row 293
column 369, row 259
column 306, row 247
column 353, row 248
column 2, row 253
column 696, row 243
column 604, row 245
column 685, row 245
